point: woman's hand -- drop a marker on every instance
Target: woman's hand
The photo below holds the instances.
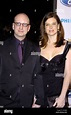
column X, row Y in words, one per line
column 59, row 102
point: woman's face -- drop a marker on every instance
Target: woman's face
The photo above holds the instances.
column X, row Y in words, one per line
column 51, row 26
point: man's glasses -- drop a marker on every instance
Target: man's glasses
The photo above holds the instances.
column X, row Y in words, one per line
column 23, row 24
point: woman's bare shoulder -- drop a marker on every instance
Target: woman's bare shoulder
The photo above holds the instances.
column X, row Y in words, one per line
column 65, row 41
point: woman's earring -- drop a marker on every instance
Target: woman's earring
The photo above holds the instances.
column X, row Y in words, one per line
column 59, row 32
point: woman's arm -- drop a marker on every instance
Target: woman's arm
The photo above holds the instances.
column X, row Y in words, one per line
column 60, row 101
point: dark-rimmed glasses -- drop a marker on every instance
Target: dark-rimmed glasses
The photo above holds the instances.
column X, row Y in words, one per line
column 23, row 24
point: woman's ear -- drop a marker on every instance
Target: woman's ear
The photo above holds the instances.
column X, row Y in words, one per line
column 58, row 26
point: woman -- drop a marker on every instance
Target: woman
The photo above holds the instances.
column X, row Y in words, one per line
column 55, row 58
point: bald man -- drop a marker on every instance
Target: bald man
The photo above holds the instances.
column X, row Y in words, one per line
column 20, row 81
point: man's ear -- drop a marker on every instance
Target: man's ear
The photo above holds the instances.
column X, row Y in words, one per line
column 29, row 28
column 13, row 26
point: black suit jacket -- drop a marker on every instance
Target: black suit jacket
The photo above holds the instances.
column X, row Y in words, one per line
column 19, row 82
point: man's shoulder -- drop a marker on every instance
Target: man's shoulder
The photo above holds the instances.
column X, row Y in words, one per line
column 34, row 43
column 4, row 44
column 7, row 41
column 35, row 46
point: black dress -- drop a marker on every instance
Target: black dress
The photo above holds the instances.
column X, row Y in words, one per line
column 53, row 75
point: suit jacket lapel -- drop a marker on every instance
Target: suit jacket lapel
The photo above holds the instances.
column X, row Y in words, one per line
column 28, row 49
column 13, row 51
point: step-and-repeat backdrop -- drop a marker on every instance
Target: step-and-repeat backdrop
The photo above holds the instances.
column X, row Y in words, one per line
column 63, row 9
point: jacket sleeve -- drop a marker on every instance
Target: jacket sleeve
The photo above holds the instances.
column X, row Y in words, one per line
column 38, row 83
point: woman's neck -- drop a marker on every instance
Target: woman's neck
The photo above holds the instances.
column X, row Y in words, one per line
column 51, row 39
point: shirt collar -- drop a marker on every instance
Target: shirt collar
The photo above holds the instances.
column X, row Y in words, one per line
column 18, row 41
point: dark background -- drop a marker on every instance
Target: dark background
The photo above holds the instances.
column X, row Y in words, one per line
column 35, row 9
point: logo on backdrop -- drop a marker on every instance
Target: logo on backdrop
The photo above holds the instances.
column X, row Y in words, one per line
column 66, row 2
column 66, row 20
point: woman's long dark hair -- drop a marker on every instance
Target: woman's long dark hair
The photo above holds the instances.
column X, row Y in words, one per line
column 43, row 34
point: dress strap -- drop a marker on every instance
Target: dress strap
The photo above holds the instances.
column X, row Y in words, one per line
column 67, row 47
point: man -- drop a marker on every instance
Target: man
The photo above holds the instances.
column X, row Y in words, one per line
column 19, row 80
